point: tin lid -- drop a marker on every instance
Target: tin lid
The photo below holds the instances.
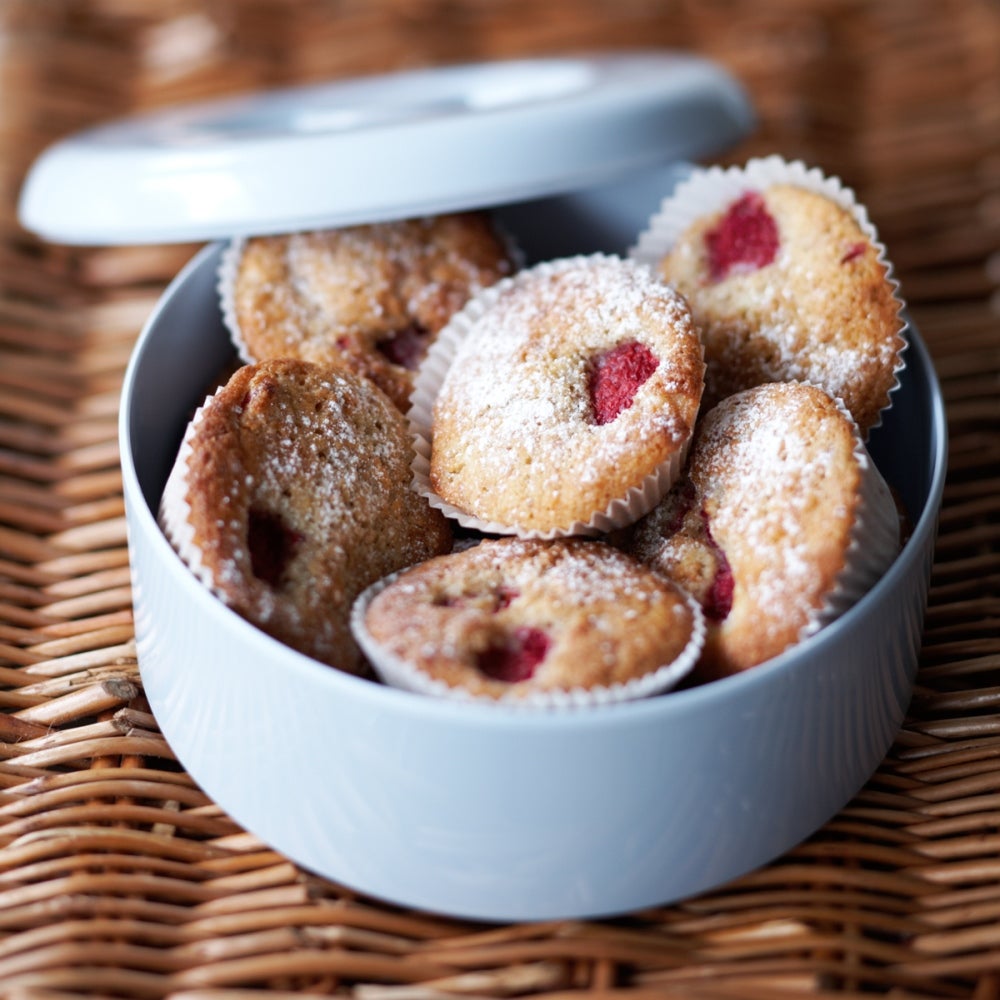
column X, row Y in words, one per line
column 382, row 147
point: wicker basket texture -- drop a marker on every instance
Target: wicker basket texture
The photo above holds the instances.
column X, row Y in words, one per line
column 120, row 878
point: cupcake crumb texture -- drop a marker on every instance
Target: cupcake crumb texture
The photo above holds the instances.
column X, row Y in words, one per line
column 370, row 298
column 673, row 450
column 291, row 494
column 576, row 382
column 517, row 618
column 786, row 285
column 766, row 522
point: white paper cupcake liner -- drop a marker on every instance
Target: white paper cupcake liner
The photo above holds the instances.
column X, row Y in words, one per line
column 397, row 672
column 175, row 511
column 874, row 542
column 620, row 512
column 710, row 189
column 225, row 284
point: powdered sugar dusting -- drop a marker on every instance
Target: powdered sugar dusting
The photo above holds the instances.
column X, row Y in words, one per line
column 318, row 461
column 294, row 469
column 831, row 314
column 517, row 387
column 368, row 297
column 364, row 280
column 610, row 628
column 787, row 480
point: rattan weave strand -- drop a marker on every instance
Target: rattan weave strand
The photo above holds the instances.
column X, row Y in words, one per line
column 120, row 878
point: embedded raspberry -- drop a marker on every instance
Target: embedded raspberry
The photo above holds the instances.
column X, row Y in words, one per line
column 517, row 659
column 745, row 239
column 272, row 546
column 404, row 347
column 853, row 252
column 719, row 599
column 616, row 376
column 262, row 388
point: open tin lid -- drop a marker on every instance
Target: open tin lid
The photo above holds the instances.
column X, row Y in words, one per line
column 382, row 147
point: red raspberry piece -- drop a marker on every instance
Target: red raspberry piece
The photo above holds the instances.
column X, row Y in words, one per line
column 720, row 595
column 518, row 658
column 262, row 388
column 616, row 376
column 272, row 546
column 404, row 347
column 853, row 252
column 719, row 600
column 745, row 239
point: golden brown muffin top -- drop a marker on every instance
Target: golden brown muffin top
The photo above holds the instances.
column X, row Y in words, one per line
column 785, row 285
column 581, row 379
column 370, row 297
column 759, row 528
column 294, row 483
column 517, row 616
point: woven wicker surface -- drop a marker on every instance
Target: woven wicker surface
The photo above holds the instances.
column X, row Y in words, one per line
column 119, row 877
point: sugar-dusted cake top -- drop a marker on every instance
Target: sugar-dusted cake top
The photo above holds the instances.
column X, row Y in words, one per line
column 568, row 385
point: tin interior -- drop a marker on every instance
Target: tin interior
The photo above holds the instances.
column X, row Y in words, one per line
column 468, row 810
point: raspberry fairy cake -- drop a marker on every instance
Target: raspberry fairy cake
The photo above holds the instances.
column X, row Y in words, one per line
column 559, row 622
column 370, row 298
column 787, row 280
column 780, row 522
column 290, row 494
column 558, row 402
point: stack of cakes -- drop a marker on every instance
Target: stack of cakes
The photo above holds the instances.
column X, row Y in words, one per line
column 656, row 467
